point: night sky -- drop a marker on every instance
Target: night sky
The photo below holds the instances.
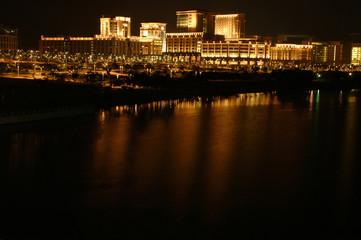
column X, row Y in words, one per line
column 323, row 19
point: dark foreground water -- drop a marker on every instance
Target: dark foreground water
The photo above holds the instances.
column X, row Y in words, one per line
column 252, row 166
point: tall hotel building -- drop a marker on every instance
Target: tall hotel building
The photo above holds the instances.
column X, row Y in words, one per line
column 231, row 25
column 235, row 49
column 195, row 21
column 216, row 39
column 193, row 27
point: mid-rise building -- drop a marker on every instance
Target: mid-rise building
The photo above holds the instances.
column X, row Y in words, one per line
column 188, row 44
column 53, row 44
column 185, row 46
column 114, row 39
column 125, row 47
column 236, row 51
column 319, row 52
column 153, row 38
column 195, row 21
column 339, row 53
column 356, row 49
column 9, row 41
column 292, row 53
column 231, row 25
column 115, row 27
column 356, row 54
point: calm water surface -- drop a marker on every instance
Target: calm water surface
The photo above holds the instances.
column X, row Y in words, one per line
column 254, row 166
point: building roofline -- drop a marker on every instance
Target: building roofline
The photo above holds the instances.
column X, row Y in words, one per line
column 193, row 11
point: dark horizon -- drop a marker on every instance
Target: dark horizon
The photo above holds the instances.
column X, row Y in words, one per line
column 320, row 19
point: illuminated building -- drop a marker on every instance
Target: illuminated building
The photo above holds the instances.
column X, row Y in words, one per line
column 115, row 27
column 153, row 38
column 185, row 46
column 356, row 49
column 126, row 47
column 356, row 54
column 184, row 42
column 114, row 39
column 293, row 53
column 195, row 21
column 188, row 46
column 8, row 39
column 236, row 51
column 339, row 53
column 66, row 44
column 92, row 45
column 230, row 25
column 319, row 53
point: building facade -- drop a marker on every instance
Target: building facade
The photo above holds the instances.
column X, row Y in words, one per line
column 292, row 53
column 356, row 54
column 319, row 52
column 114, row 39
column 153, row 38
column 184, row 42
column 195, row 21
column 184, row 46
column 125, row 47
column 356, row 49
column 115, row 27
column 52, row 44
column 339, row 53
column 231, row 25
column 236, row 51
column 9, row 41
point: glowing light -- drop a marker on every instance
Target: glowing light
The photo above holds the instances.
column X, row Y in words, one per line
column 230, row 25
column 356, row 54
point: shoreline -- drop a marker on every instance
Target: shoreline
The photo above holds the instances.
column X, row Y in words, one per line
column 41, row 98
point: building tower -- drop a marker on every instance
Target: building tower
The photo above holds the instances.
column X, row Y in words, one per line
column 230, row 25
column 115, row 27
column 155, row 33
column 195, row 21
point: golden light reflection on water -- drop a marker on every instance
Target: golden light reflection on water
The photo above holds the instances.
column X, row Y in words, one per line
column 348, row 148
column 205, row 156
column 246, row 99
column 191, row 147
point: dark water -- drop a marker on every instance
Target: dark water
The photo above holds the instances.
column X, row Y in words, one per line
column 252, row 166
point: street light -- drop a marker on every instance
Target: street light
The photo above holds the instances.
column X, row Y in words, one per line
column 17, row 67
column 41, row 71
